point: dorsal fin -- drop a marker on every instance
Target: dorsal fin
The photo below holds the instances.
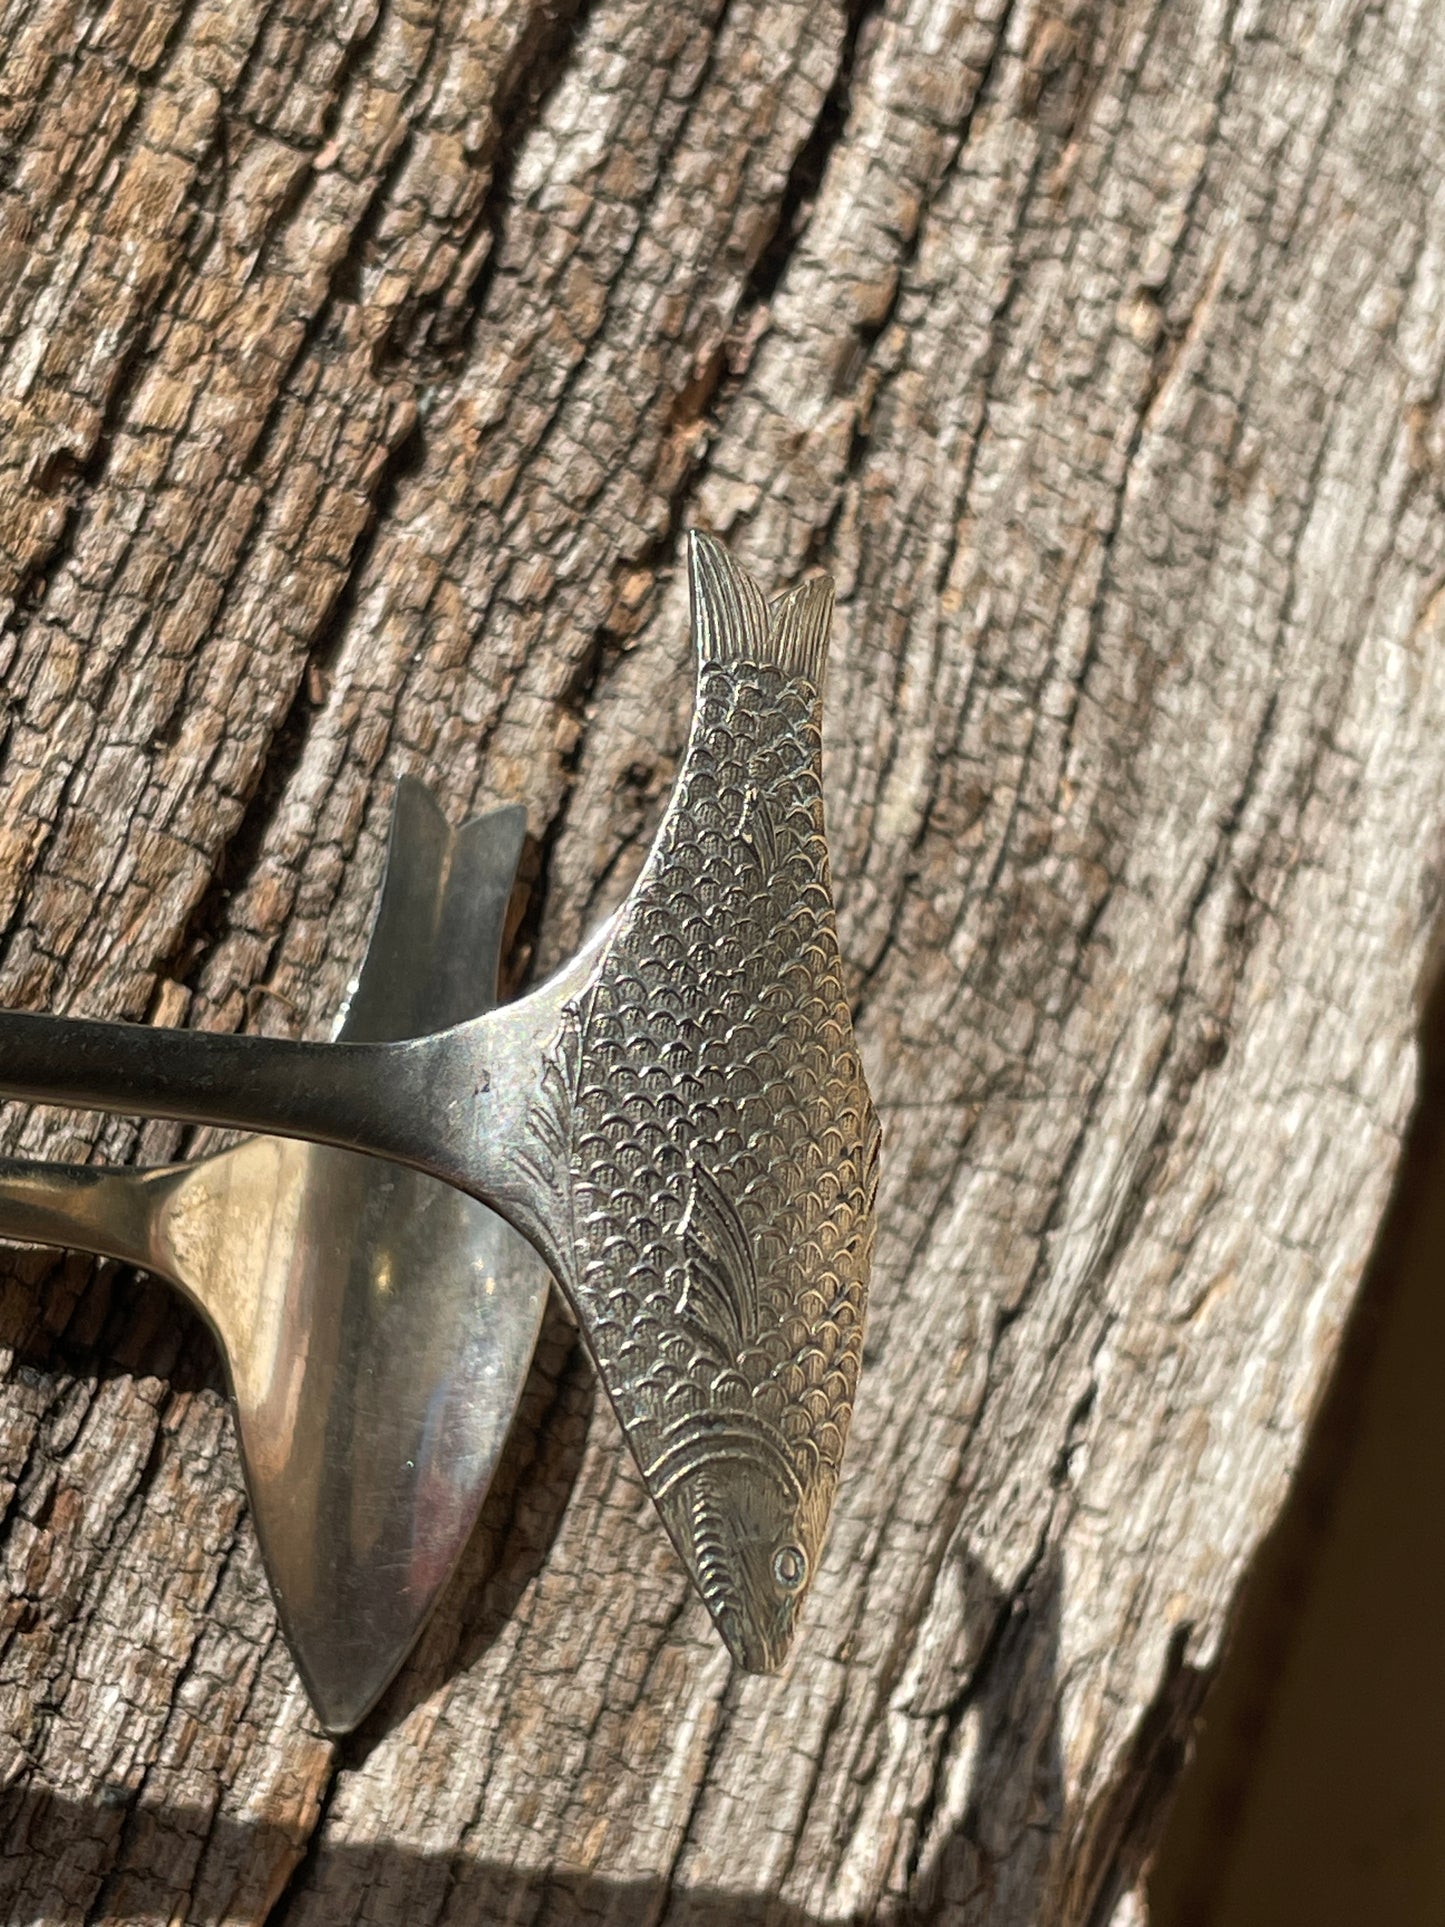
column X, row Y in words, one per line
column 721, row 1295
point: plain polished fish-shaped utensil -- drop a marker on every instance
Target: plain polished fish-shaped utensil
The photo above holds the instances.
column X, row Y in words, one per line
column 678, row 1121
column 377, row 1326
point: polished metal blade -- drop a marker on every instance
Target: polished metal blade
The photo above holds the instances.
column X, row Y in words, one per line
column 377, row 1325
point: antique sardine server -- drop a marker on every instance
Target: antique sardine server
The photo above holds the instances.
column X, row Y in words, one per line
column 678, row 1121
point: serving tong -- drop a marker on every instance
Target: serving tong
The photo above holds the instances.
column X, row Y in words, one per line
column 677, row 1121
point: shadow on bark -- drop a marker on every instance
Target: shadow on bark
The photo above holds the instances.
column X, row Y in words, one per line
column 66, row 1315
column 1317, row 1756
column 76, row 1859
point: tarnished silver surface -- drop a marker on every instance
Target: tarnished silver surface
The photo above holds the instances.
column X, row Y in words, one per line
column 678, row 1121
column 377, row 1326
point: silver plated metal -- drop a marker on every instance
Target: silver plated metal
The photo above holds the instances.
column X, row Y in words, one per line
column 376, row 1325
column 678, row 1121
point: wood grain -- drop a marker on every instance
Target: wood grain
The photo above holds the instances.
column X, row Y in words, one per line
column 360, row 368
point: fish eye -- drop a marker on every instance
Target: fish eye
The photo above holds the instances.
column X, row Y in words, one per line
column 790, row 1567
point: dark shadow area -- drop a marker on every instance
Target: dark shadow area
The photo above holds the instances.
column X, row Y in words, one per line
column 65, row 1315
column 1121, row 1833
column 1317, row 1790
column 65, row 1857
column 998, row 1858
column 36, row 1825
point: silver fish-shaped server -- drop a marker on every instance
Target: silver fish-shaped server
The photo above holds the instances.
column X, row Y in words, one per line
column 712, row 1136
column 678, row 1121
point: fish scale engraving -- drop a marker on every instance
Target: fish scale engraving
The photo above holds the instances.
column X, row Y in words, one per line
column 705, row 1107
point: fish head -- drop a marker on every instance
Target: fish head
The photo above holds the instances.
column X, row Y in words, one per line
column 749, row 1530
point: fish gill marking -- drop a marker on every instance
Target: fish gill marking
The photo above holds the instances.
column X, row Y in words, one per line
column 712, row 1554
column 706, row 1439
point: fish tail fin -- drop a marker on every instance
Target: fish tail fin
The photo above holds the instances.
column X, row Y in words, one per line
column 732, row 622
column 798, row 625
column 729, row 615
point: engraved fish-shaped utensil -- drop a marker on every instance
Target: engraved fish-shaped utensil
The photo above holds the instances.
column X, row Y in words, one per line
column 712, row 1135
column 678, row 1120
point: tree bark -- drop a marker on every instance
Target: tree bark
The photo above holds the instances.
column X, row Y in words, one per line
column 360, row 368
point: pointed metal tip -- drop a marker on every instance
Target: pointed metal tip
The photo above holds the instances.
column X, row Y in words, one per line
column 750, row 1650
column 342, row 1702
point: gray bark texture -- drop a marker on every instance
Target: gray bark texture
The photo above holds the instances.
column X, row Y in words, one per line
column 361, row 365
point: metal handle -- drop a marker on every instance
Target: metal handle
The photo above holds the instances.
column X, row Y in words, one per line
column 316, row 1091
column 85, row 1208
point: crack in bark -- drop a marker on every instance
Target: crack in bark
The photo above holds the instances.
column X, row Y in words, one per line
column 539, row 65
column 235, row 859
column 805, row 177
column 1117, row 1838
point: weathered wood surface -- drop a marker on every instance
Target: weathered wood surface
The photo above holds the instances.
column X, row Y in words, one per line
column 361, row 366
